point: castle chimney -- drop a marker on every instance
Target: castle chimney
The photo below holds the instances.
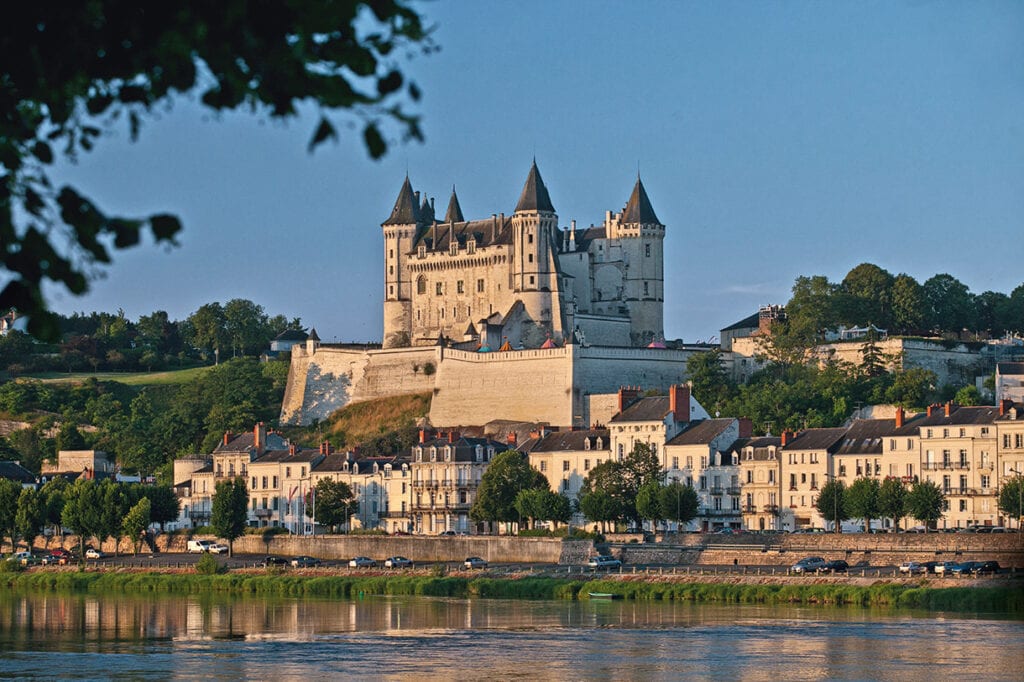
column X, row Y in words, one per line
column 627, row 394
column 746, row 427
column 679, row 402
column 949, row 407
column 511, row 440
column 899, row 417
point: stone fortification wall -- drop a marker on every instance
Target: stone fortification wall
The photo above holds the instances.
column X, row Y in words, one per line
column 956, row 365
column 330, row 378
column 526, row 385
column 604, row 370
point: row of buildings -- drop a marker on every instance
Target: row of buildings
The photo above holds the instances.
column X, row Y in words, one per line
column 742, row 480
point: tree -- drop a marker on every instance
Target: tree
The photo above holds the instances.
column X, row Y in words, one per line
column 30, row 516
column 908, row 309
column 532, row 505
column 832, row 503
column 335, row 504
column 115, row 506
column 1011, row 499
column 639, row 468
column 679, row 503
column 892, row 500
column 164, row 505
column 82, row 511
column 648, row 502
column 229, row 512
column 949, row 305
column 207, row 328
column 912, row 388
column 246, row 326
column 861, row 500
column 506, row 476
column 136, row 521
column 709, row 379
column 9, row 492
column 69, row 437
column 112, row 63
column 811, row 310
column 600, row 507
column 925, row 502
column 867, row 296
column 968, row 395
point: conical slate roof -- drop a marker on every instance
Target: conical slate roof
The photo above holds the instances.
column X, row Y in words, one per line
column 535, row 194
column 405, row 211
column 426, row 211
column 454, row 212
column 638, row 210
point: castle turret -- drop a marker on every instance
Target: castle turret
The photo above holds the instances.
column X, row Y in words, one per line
column 400, row 232
column 454, row 212
column 642, row 237
column 534, row 274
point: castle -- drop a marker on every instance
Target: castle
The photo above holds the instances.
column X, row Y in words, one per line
column 521, row 278
column 510, row 317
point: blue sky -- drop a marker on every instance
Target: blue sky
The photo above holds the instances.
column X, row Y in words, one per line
column 774, row 139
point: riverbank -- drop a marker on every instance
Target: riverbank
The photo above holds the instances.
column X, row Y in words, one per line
column 997, row 596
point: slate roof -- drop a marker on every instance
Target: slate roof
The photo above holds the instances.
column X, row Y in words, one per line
column 454, row 212
column 746, row 323
column 487, row 232
column 535, row 195
column 13, row 471
column 984, row 414
column 645, row 410
column 762, row 447
column 816, row 439
column 701, row 432
column 406, row 211
column 563, row 441
column 638, row 209
column 285, row 456
column 1010, row 367
column 864, row 437
column 588, row 235
column 246, row 441
column 291, row 335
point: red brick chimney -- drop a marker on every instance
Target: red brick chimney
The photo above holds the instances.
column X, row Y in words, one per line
column 259, row 436
column 930, row 408
column 627, row 394
column 451, row 436
column 679, row 402
column 787, row 436
column 949, row 407
column 511, row 440
column 1004, row 405
column 423, row 435
column 746, row 427
column 899, row 417
column 227, row 437
column 291, row 449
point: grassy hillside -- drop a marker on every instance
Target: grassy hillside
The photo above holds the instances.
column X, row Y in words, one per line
column 363, row 422
column 172, row 378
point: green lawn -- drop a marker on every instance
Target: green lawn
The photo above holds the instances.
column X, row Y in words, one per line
column 181, row 376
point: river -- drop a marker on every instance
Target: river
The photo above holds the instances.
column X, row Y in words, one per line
column 205, row 636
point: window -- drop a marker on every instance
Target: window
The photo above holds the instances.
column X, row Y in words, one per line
column 675, row 462
column 529, row 238
column 480, row 286
column 892, row 443
column 945, row 433
column 565, row 465
column 531, row 279
column 963, row 505
column 646, row 290
column 647, row 250
column 287, row 472
column 750, row 475
column 986, row 481
column 460, row 287
column 421, row 285
column 438, row 288
column 391, row 253
column 1018, row 440
column 264, row 482
column 391, row 269
column 586, row 465
column 471, row 246
column 963, row 432
column 529, row 258
column 771, row 475
column 543, row 466
column 254, row 483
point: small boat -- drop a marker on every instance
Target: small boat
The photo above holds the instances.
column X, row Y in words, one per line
column 603, row 595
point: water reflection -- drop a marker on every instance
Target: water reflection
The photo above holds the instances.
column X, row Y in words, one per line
column 161, row 637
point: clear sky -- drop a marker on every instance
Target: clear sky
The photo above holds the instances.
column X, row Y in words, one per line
column 774, row 139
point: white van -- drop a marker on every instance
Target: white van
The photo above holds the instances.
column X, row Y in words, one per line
column 199, row 546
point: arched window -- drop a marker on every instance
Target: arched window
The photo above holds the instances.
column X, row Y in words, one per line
column 421, row 285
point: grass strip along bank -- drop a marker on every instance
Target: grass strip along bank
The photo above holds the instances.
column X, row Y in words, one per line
column 987, row 599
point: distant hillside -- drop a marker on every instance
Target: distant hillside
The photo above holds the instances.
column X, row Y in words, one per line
column 173, row 377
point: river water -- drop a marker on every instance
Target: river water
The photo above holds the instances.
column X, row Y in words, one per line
column 49, row 636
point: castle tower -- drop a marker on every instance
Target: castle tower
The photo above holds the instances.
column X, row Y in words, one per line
column 642, row 237
column 399, row 237
column 534, row 270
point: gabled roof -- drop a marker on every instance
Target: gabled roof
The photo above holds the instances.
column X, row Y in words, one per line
column 751, row 322
column 244, row 442
column 1010, row 367
column 405, row 212
column 438, row 237
column 13, row 471
column 454, row 212
column 762, row 447
column 958, row 416
column 701, row 432
column 291, row 335
column 645, row 410
column 535, row 195
column 426, row 211
column 638, row 209
column 864, row 437
column 565, row 441
column 816, row 439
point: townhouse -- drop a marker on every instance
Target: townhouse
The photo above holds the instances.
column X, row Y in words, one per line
column 806, row 464
column 760, row 483
column 566, row 458
column 705, row 455
column 382, row 485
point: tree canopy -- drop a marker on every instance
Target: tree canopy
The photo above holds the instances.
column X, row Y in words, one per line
column 229, row 511
column 74, row 69
column 508, row 474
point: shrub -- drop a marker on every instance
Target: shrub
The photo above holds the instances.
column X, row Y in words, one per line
column 208, row 565
column 429, row 369
column 11, row 566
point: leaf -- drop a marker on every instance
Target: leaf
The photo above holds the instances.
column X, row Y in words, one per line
column 325, row 131
column 389, row 83
column 42, row 151
column 374, row 141
column 414, row 91
column 126, row 232
column 164, row 226
column 98, row 104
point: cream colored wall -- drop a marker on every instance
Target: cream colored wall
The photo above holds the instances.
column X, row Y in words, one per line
column 764, row 506
column 798, row 500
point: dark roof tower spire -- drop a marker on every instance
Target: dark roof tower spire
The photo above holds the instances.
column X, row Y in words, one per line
column 638, row 209
column 535, row 194
column 405, row 212
column 454, row 213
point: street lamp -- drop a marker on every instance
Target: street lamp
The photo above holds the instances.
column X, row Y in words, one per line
column 1020, row 496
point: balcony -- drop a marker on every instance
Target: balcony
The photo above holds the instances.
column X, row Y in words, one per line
column 733, row 490
column 749, row 509
column 262, row 513
column 717, row 490
column 720, row 512
column 771, row 509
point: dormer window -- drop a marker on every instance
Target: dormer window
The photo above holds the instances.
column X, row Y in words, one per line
column 471, row 246
column 600, row 443
column 453, row 248
column 422, row 251
column 479, row 453
column 433, row 454
column 355, row 468
column 448, row 454
column 586, row 444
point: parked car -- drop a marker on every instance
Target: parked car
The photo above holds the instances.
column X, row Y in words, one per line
column 304, row 561
column 25, row 558
column 911, row 567
column 602, row 561
column 930, row 566
column 217, row 548
column 198, row 546
column 965, row 568
column 448, row 533
column 835, row 566
column 362, row 562
column 59, row 556
column 808, row 565
column 92, row 553
column 986, row 567
column 945, row 568
column 475, row 562
column 274, row 561
column 397, row 562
